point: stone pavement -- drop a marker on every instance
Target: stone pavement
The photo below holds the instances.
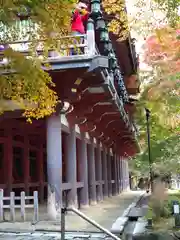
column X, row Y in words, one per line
column 53, row 236
column 105, row 213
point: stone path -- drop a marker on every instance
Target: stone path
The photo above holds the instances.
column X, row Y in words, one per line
column 52, row 236
column 104, row 213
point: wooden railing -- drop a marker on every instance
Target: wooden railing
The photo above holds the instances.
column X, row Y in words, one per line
column 22, row 206
column 67, row 46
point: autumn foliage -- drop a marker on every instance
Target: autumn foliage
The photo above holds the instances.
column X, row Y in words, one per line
column 118, row 21
column 164, row 49
column 27, row 86
column 162, row 53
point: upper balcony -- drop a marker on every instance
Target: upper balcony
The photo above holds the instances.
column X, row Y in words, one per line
column 88, row 80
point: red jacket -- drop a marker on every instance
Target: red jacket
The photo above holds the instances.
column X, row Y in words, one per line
column 78, row 22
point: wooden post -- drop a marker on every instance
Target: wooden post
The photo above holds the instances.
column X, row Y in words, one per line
column 91, row 173
column 41, row 172
column 9, row 161
column 105, row 176
column 23, row 214
column 36, row 210
column 54, row 159
column 26, row 164
column 1, row 205
column 99, row 172
column 109, row 174
column 71, row 167
column 12, row 206
column 118, row 174
column 84, row 195
column 115, row 175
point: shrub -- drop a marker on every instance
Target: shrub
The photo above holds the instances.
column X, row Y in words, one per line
column 162, row 208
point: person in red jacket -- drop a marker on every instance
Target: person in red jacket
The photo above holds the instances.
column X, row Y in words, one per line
column 79, row 18
column 80, row 15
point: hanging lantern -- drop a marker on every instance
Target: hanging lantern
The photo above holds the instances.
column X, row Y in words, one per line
column 104, row 35
column 95, row 6
column 100, row 23
column 107, row 47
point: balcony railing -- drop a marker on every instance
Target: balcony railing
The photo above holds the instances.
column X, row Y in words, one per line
column 68, row 46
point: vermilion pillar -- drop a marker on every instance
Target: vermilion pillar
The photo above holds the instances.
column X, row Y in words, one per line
column 115, row 173
column 9, row 160
column 121, row 174
column 118, row 174
column 127, row 174
column 54, row 158
column 71, row 167
column 109, row 174
column 26, row 164
column 105, row 176
column 124, row 174
column 41, row 172
column 99, row 173
column 82, row 155
column 91, row 174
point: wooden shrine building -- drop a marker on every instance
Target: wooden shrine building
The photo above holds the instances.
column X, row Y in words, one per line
column 81, row 151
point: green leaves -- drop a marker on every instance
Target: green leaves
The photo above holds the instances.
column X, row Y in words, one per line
column 118, row 15
column 171, row 8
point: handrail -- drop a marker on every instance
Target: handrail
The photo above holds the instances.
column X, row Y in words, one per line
column 87, row 219
column 22, row 46
column 42, row 40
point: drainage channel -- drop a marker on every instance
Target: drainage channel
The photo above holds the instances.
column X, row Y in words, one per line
column 53, row 236
column 134, row 214
column 129, row 230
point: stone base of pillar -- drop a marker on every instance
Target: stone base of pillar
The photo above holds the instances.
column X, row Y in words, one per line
column 99, row 194
column 58, row 216
column 106, row 197
column 93, row 203
column 115, row 194
column 84, row 207
column 51, row 212
column 99, row 199
column 73, row 204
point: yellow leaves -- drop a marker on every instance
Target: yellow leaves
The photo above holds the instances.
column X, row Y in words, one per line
column 45, row 104
column 29, row 87
column 119, row 21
